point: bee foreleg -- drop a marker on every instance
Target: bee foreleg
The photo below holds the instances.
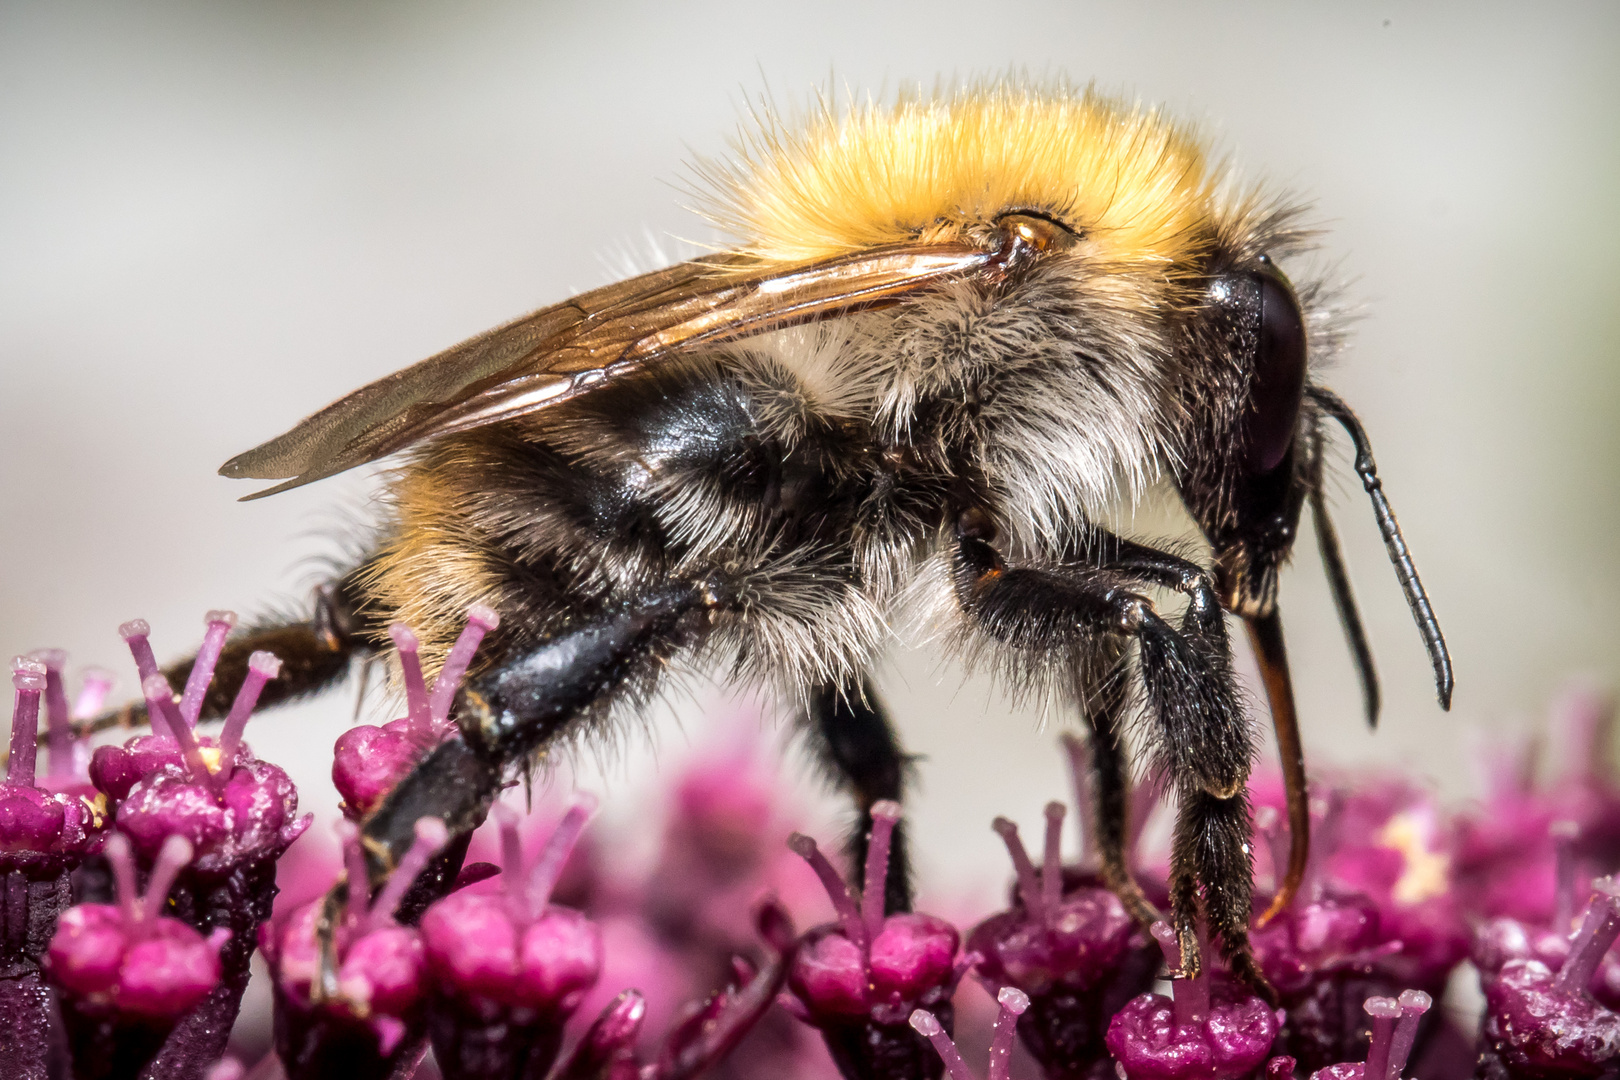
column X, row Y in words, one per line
column 1191, row 697
column 850, row 733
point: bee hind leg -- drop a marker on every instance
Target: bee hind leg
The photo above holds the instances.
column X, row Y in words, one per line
column 851, row 735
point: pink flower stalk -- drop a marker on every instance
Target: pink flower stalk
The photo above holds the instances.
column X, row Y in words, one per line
column 37, row 824
column 381, row 965
column 607, row 1050
column 510, row 967
column 69, row 756
column 708, row 1031
column 1076, row 955
column 1012, row 1001
column 214, row 792
column 128, row 957
column 1394, row 1033
column 369, row 759
column 859, row 979
column 1544, row 1023
column 1206, row 1030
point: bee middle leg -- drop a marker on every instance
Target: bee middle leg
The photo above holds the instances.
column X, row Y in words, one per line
column 1104, row 696
column 1186, row 676
column 851, row 734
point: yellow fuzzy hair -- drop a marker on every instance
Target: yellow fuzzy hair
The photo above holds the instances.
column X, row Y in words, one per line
column 928, row 166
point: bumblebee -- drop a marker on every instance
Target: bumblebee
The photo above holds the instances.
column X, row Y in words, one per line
column 957, row 328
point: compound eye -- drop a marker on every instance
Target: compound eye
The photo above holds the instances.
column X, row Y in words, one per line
column 1270, row 326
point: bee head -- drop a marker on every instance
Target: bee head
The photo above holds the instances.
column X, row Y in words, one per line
column 1248, row 460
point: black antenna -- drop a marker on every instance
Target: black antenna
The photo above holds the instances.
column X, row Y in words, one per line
column 1327, row 540
column 1394, row 543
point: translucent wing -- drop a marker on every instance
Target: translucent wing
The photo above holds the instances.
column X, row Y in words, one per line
column 558, row 352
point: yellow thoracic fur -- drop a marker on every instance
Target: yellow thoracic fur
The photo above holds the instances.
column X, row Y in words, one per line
column 1137, row 184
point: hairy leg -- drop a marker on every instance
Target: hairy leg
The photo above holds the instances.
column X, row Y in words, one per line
column 851, row 736
column 1104, row 695
column 1186, row 675
column 514, row 710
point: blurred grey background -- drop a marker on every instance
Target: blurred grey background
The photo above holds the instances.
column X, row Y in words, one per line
column 215, row 218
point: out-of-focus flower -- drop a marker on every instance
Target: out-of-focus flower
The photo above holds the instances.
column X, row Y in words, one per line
column 1209, row 1029
column 858, row 980
column 1507, row 863
column 708, row 1030
column 1374, row 916
column 510, row 967
column 369, row 759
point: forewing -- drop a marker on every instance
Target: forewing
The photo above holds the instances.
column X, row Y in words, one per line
column 558, row 352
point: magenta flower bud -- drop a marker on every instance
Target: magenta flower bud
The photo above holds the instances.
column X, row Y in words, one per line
column 859, row 979
column 368, row 759
column 128, row 956
column 607, row 1050
column 377, row 995
column 510, row 967
column 1205, row 1031
column 1545, row 1023
column 1075, row 955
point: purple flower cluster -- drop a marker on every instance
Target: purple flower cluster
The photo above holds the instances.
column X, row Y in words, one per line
column 139, row 879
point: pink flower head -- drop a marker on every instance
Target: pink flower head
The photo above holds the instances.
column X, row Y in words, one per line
column 1543, row 1022
column 380, row 964
column 515, row 948
column 369, row 759
column 35, row 821
column 1075, row 940
column 1012, row 1001
column 1394, row 1033
column 1205, row 1031
column 214, row 792
column 128, row 957
column 866, row 965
